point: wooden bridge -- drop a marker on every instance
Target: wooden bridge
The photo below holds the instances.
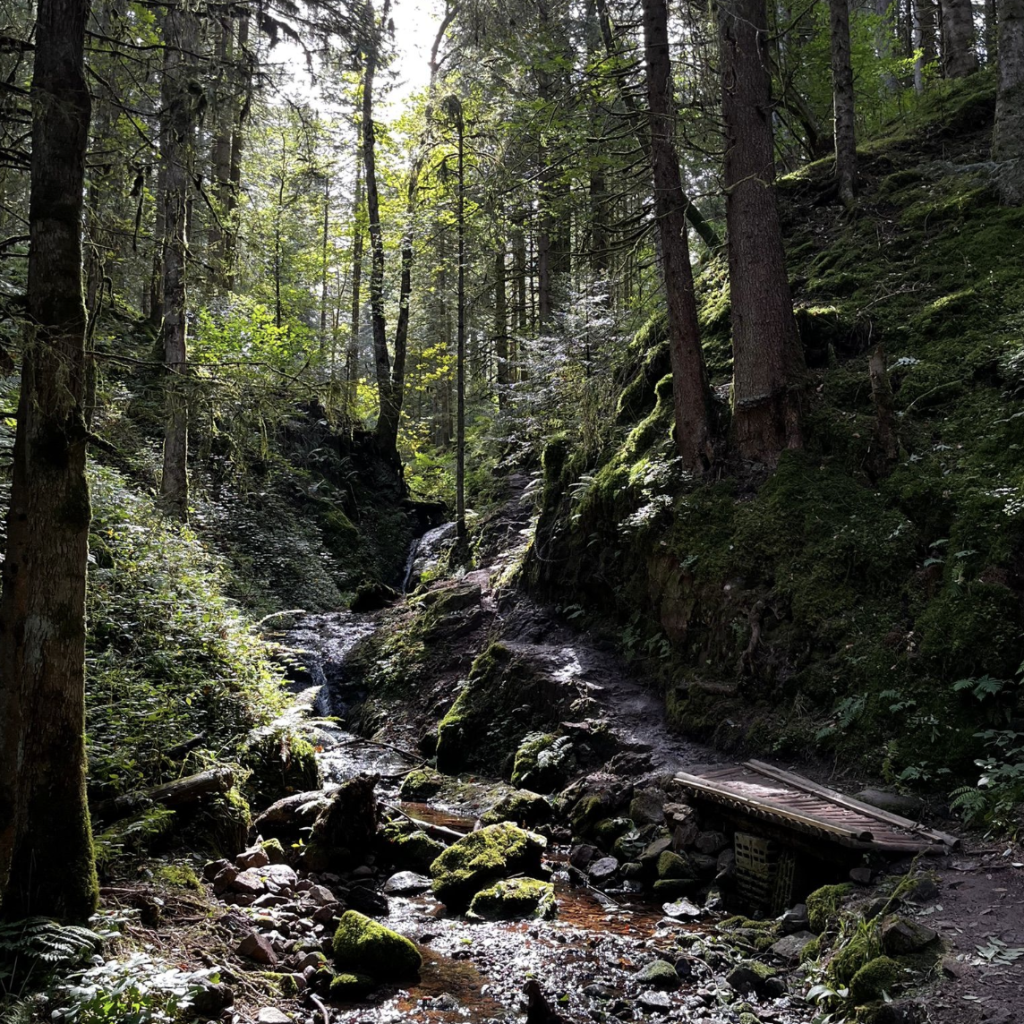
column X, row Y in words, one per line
column 790, row 803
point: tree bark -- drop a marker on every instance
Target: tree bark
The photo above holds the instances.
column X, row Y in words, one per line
column 352, row 352
column 885, row 410
column 959, row 57
column 691, row 392
column 501, row 354
column 460, row 338
column 177, row 151
column 46, row 854
column 925, row 28
column 767, row 360
column 842, row 100
column 1008, row 134
column 991, row 36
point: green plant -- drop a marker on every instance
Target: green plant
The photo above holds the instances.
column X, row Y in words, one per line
column 37, row 945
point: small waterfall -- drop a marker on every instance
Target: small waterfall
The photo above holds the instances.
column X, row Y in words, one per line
column 425, row 552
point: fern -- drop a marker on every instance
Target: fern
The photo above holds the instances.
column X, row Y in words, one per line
column 38, row 940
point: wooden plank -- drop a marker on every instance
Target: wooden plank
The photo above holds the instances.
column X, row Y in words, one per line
column 802, row 820
column 852, row 804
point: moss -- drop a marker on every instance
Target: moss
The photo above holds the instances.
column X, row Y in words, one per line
column 514, row 898
column 671, row 865
column 421, row 784
column 811, row 951
column 482, row 857
column 347, row 987
column 543, row 762
column 608, row 830
column 521, row 807
column 847, row 961
column 181, row 876
column 280, row 762
column 412, row 851
column 362, row 946
column 274, row 850
column 285, row 984
column 876, row 978
column 824, row 903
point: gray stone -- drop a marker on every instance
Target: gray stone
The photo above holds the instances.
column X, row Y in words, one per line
column 254, row 858
column 654, row 850
column 272, row 1015
column 860, row 876
column 259, row 948
column 603, row 870
column 711, row 842
column 648, row 807
column 248, row 882
column 791, row 946
column 406, row 883
column 212, row 868
column 363, row 871
column 795, row 920
column 655, row 1002
column 682, row 908
column 280, row 874
column 750, row 977
column 321, row 895
column 270, row 900
column 581, row 855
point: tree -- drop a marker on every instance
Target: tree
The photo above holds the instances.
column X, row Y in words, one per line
column 767, row 360
column 959, row 57
column 842, row 97
column 690, row 388
column 46, row 854
column 1008, row 135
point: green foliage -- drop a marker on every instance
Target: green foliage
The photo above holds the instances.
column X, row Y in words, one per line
column 38, row 945
column 169, row 657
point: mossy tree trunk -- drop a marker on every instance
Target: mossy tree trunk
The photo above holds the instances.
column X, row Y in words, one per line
column 1008, row 135
column 959, row 56
column 842, row 100
column 46, row 854
column 767, row 360
column 925, row 26
column 691, row 391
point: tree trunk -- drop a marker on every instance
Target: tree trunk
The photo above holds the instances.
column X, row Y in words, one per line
column 925, row 26
column 323, row 266
column 766, row 348
column 460, row 343
column 842, row 100
column 885, row 411
column 501, row 354
column 1008, row 134
column 177, row 146
column 220, row 156
column 959, row 57
column 352, row 352
column 691, row 392
column 46, row 854
column 991, row 36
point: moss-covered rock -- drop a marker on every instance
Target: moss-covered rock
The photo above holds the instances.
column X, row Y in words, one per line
column 421, row 784
column 673, row 888
column 275, row 850
column 520, row 807
column 346, row 987
column 824, row 903
column 181, row 876
column 658, row 974
column 877, row 977
column 483, row 857
column 280, row 762
column 345, row 831
column 514, row 898
column 543, row 762
column 362, row 946
column 410, row 850
column 672, row 865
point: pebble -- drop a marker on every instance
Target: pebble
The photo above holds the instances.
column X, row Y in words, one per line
column 655, row 1002
column 272, row 1015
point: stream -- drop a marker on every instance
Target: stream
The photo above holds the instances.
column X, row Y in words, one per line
column 587, row 958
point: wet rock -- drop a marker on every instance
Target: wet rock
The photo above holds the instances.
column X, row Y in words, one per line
column 482, row 858
column 901, row 936
column 675, row 888
column 414, row 850
column 270, row 900
column 361, row 945
column 710, row 843
column 514, row 898
column 369, row 901
column 659, row 974
column 791, row 946
column 522, row 807
column 372, row 596
column 257, row 947
column 256, row 857
column 346, row 987
column 795, row 920
column 655, row 1002
column 895, row 803
column 681, row 909
column 751, row 976
column 648, row 806
column 582, row 855
column 861, row 876
column 595, row 798
column 672, row 865
column 543, row 762
column 632, row 870
column 421, row 784
column 603, row 870
column 406, row 883
column 649, row 858
column 321, row 895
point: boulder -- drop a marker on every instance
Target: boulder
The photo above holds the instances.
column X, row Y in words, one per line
column 901, row 936
column 648, row 806
column 347, row 987
column 421, row 784
column 794, row 920
column 681, row 909
column 603, row 870
column 258, row 948
column 255, row 857
column 789, row 947
column 659, row 974
column 362, row 946
column 514, row 898
column 751, row 976
column 521, row 807
column 406, row 883
column 655, row 1002
column 412, row 851
column 345, row 830
column 542, row 762
column 483, row 857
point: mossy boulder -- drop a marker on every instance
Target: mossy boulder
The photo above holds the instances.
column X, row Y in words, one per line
column 658, row 974
column 672, row 865
column 877, row 977
column 543, row 762
column 275, row 850
column 824, row 903
column 280, row 762
column 346, row 987
column 421, row 784
column 521, row 807
column 482, row 858
column 346, row 829
column 362, row 946
column 672, row 888
column 608, row 830
column 514, row 898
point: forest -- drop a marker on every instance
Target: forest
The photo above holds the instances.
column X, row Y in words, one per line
column 439, row 441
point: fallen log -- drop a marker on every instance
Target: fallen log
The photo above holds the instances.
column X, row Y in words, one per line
column 179, row 793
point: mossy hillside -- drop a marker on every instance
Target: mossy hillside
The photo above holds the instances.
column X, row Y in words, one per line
column 483, row 728
column 845, row 602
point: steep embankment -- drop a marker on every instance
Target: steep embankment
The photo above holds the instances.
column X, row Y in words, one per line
column 843, row 603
